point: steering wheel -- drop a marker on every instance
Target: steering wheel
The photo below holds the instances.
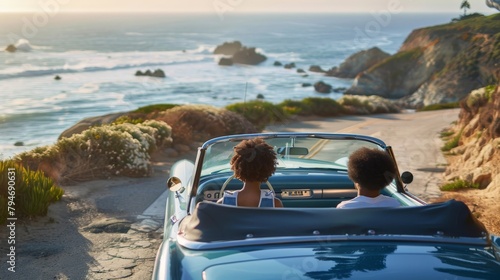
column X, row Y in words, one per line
column 221, row 192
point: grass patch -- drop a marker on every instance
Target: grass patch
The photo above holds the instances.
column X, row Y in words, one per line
column 459, row 184
column 434, row 107
column 154, row 108
column 259, row 113
column 446, row 133
column 29, row 192
column 452, row 143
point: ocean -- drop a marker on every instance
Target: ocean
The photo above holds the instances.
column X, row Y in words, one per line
column 97, row 55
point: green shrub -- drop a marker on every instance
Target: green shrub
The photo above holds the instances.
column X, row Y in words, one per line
column 459, row 185
column 154, row 108
column 452, row 143
column 32, row 191
column 446, row 133
column 127, row 119
column 295, row 107
column 3, row 210
column 259, row 113
column 441, row 106
column 103, row 151
column 323, row 107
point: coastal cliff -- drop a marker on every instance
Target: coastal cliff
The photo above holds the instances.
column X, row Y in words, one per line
column 475, row 158
column 438, row 64
column 477, row 154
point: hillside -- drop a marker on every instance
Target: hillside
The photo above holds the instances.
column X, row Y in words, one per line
column 437, row 64
column 476, row 157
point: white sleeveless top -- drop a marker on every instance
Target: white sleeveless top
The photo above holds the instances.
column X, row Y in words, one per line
column 266, row 198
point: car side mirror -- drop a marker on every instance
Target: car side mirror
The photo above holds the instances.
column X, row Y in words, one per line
column 407, row 177
column 174, row 184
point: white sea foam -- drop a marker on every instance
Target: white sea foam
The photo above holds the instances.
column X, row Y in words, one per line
column 57, row 97
column 86, row 89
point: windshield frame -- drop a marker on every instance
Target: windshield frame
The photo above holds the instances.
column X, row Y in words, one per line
column 232, row 140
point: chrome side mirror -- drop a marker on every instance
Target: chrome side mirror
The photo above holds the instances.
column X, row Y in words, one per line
column 407, row 177
column 174, row 184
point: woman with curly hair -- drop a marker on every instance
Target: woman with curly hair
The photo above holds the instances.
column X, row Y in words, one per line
column 371, row 170
column 253, row 162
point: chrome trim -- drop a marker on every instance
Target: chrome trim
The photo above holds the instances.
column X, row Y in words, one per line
column 195, row 245
column 333, row 136
column 339, row 193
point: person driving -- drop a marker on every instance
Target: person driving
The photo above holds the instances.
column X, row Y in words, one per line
column 371, row 170
column 253, row 162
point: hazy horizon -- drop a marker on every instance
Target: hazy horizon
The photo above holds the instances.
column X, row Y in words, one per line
column 243, row 6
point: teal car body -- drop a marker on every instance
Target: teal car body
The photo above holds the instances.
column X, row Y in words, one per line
column 309, row 238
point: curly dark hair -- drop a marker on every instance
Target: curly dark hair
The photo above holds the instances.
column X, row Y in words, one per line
column 371, row 168
column 253, row 160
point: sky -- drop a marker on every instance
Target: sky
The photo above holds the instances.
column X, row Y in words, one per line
column 207, row 6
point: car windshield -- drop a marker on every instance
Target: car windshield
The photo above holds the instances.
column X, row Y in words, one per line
column 292, row 153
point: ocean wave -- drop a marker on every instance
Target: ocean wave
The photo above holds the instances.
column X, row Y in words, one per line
column 87, row 61
column 134, row 34
column 24, row 45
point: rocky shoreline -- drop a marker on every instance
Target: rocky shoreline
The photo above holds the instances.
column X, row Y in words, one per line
column 435, row 65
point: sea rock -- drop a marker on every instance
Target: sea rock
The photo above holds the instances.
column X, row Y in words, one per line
column 300, row 71
column 358, row 63
column 322, row 87
column 306, row 85
column 224, row 61
column 57, row 78
column 158, row 73
column 228, row 48
column 248, row 56
column 277, row 63
column 289, row 65
column 316, row 68
column 11, row 48
column 438, row 64
column 238, row 54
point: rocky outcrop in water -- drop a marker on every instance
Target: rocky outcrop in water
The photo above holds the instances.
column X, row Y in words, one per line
column 11, row 48
column 158, row 73
column 236, row 52
column 248, row 56
column 357, row 63
column 438, row 64
column 228, row 48
column 322, row 87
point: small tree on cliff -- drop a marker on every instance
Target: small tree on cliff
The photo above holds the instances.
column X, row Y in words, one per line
column 465, row 5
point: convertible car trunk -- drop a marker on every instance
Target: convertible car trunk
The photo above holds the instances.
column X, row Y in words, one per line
column 363, row 261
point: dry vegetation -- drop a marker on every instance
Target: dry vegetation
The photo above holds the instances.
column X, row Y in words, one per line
column 474, row 156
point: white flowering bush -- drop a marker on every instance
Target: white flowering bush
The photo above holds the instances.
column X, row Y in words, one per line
column 109, row 150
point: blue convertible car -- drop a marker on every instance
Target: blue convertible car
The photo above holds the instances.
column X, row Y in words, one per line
column 309, row 238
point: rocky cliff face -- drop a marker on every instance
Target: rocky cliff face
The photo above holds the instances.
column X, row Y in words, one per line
column 357, row 63
column 476, row 159
column 437, row 64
